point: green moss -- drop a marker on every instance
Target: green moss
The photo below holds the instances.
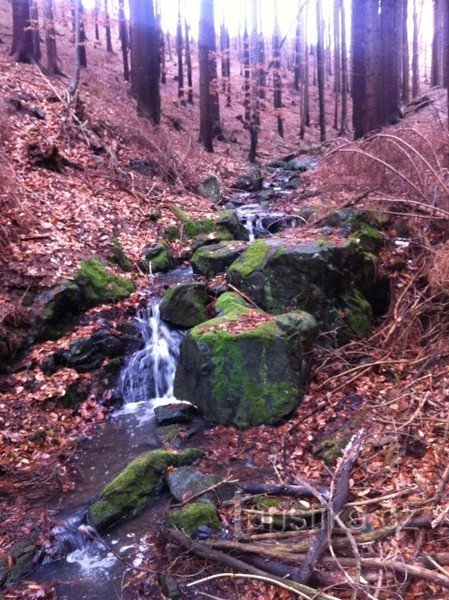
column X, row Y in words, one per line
column 172, row 232
column 368, row 238
column 131, row 490
column 118, row 256
column 157, row 259
column 329, row 450
column 98, row 286
column 251, row 260
column 179, row 213
column 193, row 229
column 184, row 305
column 230, row 302
column 194, row 515
column 358, row 315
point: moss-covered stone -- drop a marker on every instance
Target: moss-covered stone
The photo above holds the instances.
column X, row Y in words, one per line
column 157, row 259
column 98, row 285
column 357, row 316
column 369, row 238
column 194, row 515
column 184, row 305
column 228, row 226
column 211, row 260
column 330, row 449
column 131, row 490
column 118, row 256
column 172, row 232
column 235, row 372
column 193, row 229
column 20, row 561
column 285, row 275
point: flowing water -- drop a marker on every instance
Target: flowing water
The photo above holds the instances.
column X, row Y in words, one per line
column 80, row 561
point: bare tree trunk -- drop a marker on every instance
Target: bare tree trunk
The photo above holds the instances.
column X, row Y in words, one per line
column 225, row 48
column 254, row 124
column 437, row 47
column 73, row 87
column 277, row 81
column 321, row 68
column 405, row 55
column 179, row 48
column 124, row 38
column 298, row 45
column 22, row 42
column 188, row 63
column 34, row 14
column 337, row 61
column 145, row 59
column 305, row 102
column 415, row 52
column 247, row 76
column 206, row 45
column 82, row 39
column 344, row 71
column 50, row 39
column 96, row 26
column 107, row 26
column 163, row 58
column 391, row 28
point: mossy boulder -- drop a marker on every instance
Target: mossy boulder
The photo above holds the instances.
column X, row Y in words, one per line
column 118, row 256
column 348, row 219
column 92, row 285
column 195, row 515
column 195, row 228
column 99, row 286
column 245, row 367
column 210, row 188
column 20, row 560
column 184, row 305
column 132, row 489
column 157, row 259
column 369, row 238
column 285, row 275
column 211, row 260
column 357, row 315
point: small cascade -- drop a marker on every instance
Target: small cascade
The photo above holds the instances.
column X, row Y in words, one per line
column 150, row 372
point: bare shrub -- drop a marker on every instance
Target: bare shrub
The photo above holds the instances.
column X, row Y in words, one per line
column 439, row 271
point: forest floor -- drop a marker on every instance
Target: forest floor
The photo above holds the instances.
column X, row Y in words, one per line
column 395, row 383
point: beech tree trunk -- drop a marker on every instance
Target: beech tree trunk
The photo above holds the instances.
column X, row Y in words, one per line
column 179, row 48
column 82, row 39
column 437, row 46
column 107, row 26
column 34, row 14
column 344, row 71
column 124, row 38
column 277, row 81
column 391, row 28
column 22, row 42
column 188, row 63
column 96, row 25
column 405, row 55
column 206, row 48
column 254, row 122
column 145, row 59
column 321, row 68
column 415, row 52
column 50, row 39
column 337, row 61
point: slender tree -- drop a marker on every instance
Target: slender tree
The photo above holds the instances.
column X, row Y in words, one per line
column 206, row 48
column 337, row 61
column 34, row 21
column 96, row 25
column 22, row 42
column 107, row 27
column 344, row 71
column 277, row 81
column 82, row 39
column 179, row 49
column 405, row 55
column 124, row 38
column 188, row 63
column 256, row 66
column 321, row 68
column 50, row 39
column 247, row 76
column 391, row 28
column 415, row 52
column 298, row 46
column 145, row 59
column 436, row 74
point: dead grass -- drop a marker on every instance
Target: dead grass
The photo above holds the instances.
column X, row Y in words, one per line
column 439, row 272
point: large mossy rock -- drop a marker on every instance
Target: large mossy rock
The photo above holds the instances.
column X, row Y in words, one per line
column 184, row 305
column 245, row 367
column 91, row 286
column 211, row 260
column 132, row 489
column 319, row 278
column 228, row 226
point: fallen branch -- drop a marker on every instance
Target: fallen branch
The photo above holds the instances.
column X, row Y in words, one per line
column 205, row 551
column 281, row 489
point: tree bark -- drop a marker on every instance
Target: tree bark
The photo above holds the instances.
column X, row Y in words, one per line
column 344, row 71
column 107, row 26
column 188, row 63
column 50, row 39
column 145, row 59
column 405, row 55
column 124, row 38
column 391, row 28
column 179, row 48
column 415, row 52
column 277, row 81
column 22, row 42
column 82, row 39
column 206, row 46
column 321, row 68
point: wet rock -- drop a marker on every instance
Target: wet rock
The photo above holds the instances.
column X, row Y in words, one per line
column 203, row 532
column 195, row 228
column 369, row 238
column 278, row 164
column 211, row 260
column 132, row 489
column 265, row 195
column 227, row 224
column 176, row 412
column 250, row 182
column 184, row 305
column 98, row 286
column 316, row 277
column 20, row 561
column 300, row 164
column 239, row 372
column 195, row 515
column 348, row 219
column 293, row 184
column 186, row 482
column 157, row 259
column 210, row 188
column 169, row 587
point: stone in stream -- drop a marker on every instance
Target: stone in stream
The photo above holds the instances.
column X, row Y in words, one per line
column 333, row 282
column 185, row 482
column 175, row 412
column 20, row 560
column 157, row 259
column 210, row 188
column 193, row 516
column 227, row 222
column 251, row 181
column 211, row 260
column 245, row 367
column 135, row 486
column 184, row 305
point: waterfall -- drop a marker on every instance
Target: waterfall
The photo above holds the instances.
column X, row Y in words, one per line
column 150, row 372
